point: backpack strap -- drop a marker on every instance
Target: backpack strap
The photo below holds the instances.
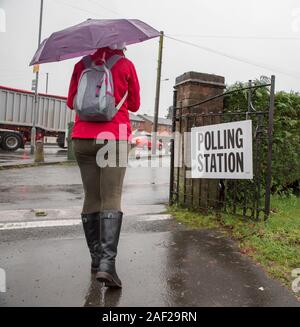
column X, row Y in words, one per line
column 109, row 64
column 120, row 104
column 112, row 61
column 87, row 61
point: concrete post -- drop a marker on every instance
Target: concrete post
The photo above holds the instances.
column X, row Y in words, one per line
column 71, row 155
column 192, row 88
column 39, row 151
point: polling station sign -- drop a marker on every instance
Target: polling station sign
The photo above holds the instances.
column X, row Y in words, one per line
column 222, row 151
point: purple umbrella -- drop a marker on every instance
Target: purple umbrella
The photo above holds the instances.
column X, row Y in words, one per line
column 86, row 37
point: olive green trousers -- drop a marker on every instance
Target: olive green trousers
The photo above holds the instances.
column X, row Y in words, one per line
column 102, row 184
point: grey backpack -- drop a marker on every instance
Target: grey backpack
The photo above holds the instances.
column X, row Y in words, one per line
column 95, row 99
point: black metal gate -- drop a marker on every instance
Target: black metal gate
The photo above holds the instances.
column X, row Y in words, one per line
column 249, row 199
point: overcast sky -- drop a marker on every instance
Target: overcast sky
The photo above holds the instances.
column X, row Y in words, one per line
column 263, row 32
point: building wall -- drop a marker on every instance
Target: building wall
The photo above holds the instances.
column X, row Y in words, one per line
column 139, row 125
column 147, row 127
column 160, row 128
column 164, row 129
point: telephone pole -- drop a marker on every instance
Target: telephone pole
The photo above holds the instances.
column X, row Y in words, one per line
column 157, row 94
column 33, row 130
column 47, row 80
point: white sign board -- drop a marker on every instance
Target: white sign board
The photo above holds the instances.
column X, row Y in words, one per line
column 222, row 151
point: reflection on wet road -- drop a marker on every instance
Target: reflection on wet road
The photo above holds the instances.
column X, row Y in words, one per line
column 52, row 153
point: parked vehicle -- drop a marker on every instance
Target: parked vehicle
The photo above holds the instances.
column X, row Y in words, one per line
column 16, row 114
column 145, row 142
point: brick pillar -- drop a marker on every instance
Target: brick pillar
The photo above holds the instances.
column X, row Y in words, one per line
column 192, row 88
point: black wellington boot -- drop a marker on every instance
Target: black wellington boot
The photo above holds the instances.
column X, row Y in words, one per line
column 110, row 228
column 90, row 223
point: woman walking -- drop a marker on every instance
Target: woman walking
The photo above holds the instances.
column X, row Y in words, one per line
column 101, row 213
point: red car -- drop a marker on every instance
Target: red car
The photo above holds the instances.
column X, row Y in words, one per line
column 145, row 142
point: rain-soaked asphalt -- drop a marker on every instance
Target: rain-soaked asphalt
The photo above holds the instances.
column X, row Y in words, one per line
column 161, row 262
column 52, row 153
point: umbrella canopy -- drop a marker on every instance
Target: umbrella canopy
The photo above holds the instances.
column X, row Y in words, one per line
column 86, row 37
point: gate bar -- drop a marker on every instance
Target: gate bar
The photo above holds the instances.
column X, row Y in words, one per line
column 270, row 143
column 226, row 93
column 172, row 148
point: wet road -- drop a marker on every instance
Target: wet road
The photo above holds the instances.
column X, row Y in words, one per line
column 51, row 152
column 161, row 262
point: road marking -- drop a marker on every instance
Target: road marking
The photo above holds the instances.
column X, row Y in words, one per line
column 155, row 217
column 68, row 222
column 21, row 215
column 40, row 224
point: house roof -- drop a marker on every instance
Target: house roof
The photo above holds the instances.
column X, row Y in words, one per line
column 135, row 117
column 161, row 121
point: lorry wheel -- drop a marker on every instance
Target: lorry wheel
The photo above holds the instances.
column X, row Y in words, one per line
column 61, row 141
column 11, row 142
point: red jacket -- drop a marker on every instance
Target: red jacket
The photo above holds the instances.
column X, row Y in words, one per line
column 125, row 78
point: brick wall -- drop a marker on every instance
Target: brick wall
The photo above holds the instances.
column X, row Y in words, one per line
column 193, row 87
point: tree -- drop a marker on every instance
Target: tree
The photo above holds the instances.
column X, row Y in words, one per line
column 286, row 136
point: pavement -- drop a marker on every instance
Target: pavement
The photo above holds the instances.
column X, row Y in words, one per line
column 160, row 261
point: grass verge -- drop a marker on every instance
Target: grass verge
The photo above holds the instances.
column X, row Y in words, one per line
column 274, row 244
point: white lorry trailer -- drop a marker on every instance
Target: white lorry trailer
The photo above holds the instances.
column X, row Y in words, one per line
column 16, row 117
